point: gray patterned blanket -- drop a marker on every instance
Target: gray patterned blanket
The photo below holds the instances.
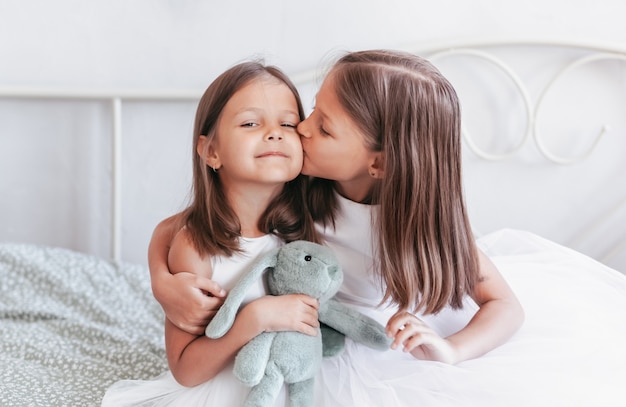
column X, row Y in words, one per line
column 72, row 324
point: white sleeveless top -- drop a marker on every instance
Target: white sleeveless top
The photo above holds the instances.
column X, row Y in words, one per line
column 351, row 241
column 228, row 270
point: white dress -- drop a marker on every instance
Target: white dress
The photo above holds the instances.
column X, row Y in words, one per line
column 222, row 390
column 569, row 352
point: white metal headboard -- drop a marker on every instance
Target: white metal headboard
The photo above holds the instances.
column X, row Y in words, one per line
column 532, row 131
column 115, row 98
column 435, row 52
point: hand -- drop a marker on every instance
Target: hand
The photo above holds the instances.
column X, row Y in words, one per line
column 414, row 336
column 293, row 312
column 191, row 301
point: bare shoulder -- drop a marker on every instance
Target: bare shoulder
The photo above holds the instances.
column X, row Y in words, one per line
column 183, row 256
column 168, row 226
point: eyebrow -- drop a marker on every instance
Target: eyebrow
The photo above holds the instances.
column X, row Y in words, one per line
column 261, row 110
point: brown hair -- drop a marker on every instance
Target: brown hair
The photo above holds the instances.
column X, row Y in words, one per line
column 212, row 224
column 410, row 113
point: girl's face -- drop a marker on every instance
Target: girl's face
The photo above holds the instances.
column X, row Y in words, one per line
column 334, row 147
column 256, row 140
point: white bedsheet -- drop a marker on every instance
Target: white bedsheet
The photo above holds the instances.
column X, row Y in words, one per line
column 574, row 336
column 71, row 325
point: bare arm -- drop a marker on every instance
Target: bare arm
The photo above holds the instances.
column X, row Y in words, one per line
column 183, row 295
column 500, row 315
column 196, row 359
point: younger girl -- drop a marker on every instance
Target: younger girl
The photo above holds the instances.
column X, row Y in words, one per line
column 247, row 199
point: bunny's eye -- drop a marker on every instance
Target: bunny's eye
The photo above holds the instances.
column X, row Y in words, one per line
column 307, row 258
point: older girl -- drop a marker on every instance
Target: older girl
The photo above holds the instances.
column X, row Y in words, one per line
column 386, row 131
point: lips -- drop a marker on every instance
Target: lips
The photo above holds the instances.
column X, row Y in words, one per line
column 272, row 154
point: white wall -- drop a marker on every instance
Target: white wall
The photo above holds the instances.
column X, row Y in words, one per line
column 184, row 44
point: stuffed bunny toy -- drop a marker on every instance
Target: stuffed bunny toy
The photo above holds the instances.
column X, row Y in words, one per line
column 274, row 358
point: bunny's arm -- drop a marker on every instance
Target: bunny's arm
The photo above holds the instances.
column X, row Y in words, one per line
column 333, row 341
column 354, row 325
column 225, row 316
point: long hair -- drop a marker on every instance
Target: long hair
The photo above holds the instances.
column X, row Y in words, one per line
column 410, row 113
column 212, row 224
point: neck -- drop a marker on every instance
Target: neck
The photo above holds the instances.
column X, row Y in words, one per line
column 357, row 190
column 249, row 203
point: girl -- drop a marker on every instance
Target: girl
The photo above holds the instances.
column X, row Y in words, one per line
column 383, row 150
column 386, row 130
column 247, row 199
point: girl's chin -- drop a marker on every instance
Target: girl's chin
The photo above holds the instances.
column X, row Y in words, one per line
column 309, row 170
column 305, row 170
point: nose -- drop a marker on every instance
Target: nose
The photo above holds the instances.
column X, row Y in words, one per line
column 274, row 134
column 302, row 128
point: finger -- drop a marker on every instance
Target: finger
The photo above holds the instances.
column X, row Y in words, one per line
column 312, row 320
column 310, row 316
column 211, row 304
column 399, row 321
column 416, row 340
column 308, row 329
column 421, row 336
column 210, row 287
column 308, row 300
column 413, row 328
column 307, row 314
column 401, row 337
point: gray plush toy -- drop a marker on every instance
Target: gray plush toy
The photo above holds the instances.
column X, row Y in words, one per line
column 274, row 358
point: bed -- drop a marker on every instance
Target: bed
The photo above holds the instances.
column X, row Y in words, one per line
column 544, row 137
column 71, row 325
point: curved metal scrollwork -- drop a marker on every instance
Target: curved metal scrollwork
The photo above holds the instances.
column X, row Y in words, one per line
column 518, row 84
column 603, row 129
column 531, row 111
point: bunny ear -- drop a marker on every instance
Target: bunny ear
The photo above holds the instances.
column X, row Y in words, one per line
column 225, row 316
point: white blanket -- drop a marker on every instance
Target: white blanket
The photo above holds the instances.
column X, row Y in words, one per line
column 72, row 324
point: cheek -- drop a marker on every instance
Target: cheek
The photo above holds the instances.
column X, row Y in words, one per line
column 298, row 157
column 321, row 159
column 307, row 145
column 330, row 150
column 339, row 161
column 315, row 151
column 295, row 150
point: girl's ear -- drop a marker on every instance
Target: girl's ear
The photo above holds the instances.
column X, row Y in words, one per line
column 375, row 166
column 207, row 152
